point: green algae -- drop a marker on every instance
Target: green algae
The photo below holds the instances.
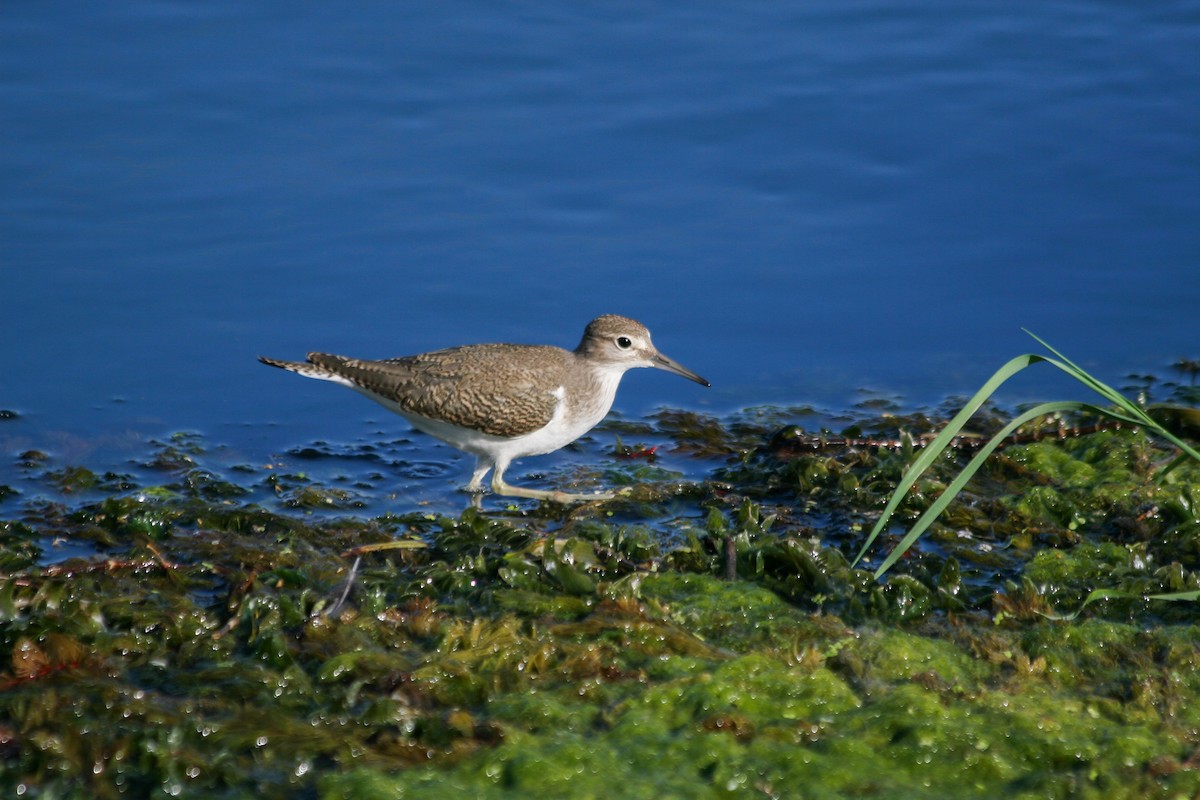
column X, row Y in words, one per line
column 226, row 639
column 897, row 656
column 755, row 726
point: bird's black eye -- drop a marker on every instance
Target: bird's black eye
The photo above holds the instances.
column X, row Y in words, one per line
column 624, row 342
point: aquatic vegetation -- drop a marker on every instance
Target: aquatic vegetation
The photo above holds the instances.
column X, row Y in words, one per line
column 255, row 631
column 1122, row 410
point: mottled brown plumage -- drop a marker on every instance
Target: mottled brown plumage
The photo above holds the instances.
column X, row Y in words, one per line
column 491, row 388
column 502, row 401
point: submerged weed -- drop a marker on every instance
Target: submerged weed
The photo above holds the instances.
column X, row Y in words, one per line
column 264, row 636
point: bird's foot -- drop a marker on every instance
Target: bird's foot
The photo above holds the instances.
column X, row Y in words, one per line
column 563, row 498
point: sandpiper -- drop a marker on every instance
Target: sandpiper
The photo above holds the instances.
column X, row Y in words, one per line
column 503, row 401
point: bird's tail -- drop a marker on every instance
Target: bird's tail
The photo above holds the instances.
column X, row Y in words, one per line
column 306, row 368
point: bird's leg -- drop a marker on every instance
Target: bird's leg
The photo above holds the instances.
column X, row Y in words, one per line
column 502, row 488
column 482, row 465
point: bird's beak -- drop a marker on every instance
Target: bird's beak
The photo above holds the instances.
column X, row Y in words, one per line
column 659, row 361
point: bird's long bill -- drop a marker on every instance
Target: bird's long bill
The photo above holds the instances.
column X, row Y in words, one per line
column 662, row 362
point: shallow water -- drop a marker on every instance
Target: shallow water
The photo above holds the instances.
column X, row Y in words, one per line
column 801, row 200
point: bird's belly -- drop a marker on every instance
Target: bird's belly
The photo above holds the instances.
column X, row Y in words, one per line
column 555, row 434
column 562, row 429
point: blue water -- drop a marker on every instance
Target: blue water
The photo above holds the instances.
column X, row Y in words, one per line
column 800, row 199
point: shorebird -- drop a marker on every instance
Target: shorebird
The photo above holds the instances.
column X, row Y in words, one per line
column 500, row 402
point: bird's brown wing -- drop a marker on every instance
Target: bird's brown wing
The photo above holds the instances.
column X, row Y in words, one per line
column 502, row 390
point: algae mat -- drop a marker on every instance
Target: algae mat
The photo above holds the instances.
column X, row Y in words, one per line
column 246, row 633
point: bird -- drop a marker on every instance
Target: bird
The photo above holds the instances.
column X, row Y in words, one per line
column 500, row 402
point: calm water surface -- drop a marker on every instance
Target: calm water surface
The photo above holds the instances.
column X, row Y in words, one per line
column 800, row 199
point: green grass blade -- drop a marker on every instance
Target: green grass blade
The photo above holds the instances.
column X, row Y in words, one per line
column 1115, row 594
column 968, row 472
column 1083, row 376
column 1136, row 414
column 960, row 481
column 934, row 449
column 1126, row 411
column 1182, row 458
